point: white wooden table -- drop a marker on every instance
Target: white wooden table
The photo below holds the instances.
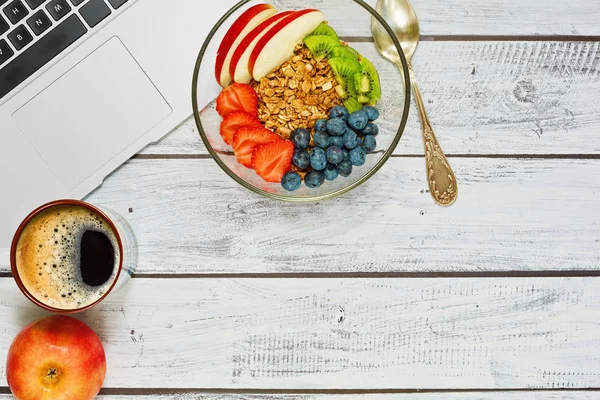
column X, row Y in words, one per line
column 380, row 294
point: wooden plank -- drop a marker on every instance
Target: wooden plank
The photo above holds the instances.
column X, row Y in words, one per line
column 486, row 98
column 510, row 333
column 512, row 214
column 473, row 17
column 521, row 395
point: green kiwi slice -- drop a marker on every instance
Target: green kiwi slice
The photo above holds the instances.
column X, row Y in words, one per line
column 320, row 45
column 344, row 70
column 366, row 83
column 344, row 51
column 352, row 104
column 325, row 29
column 353, row 51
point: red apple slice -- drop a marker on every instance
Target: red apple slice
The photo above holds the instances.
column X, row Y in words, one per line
column 277, row 46
column 238, row 30
column 238, row 68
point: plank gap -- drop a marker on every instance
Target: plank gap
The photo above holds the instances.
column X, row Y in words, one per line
column 369, row 275
column 166, row 391
column 379, row 275
column 488, row 38
column 458, row 155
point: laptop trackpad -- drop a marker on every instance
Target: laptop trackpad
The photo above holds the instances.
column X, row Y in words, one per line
column 92, row 113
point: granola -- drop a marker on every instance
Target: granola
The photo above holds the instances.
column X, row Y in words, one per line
column 297, row 94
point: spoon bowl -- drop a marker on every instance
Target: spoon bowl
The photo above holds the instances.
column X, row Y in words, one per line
column 403, row 21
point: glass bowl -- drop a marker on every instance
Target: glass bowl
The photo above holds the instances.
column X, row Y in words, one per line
column 352, row 20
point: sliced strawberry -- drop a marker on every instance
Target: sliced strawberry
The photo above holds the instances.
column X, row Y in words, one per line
column 246, row 140
column 235, row 97
column 271, row 161
column 236, row 120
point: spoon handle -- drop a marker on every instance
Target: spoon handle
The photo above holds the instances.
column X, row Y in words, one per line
column 441, row 179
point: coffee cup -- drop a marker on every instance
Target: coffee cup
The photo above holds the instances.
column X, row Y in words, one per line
column 68, row 255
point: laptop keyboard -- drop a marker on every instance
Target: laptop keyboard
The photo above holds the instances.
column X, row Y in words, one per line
column 33, row 32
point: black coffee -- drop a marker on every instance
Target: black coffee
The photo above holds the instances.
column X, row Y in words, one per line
column 97, row 258
column 67, row 257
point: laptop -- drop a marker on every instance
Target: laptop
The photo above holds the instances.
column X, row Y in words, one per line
column 84, row 85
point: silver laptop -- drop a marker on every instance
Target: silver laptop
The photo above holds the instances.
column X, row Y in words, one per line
column 84, row 85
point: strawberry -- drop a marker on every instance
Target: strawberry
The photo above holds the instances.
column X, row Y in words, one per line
column 247, row 139
column 235, row 120
column 238, row 96
column 271, row 161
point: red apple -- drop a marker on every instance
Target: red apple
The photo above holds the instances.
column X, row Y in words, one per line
column 238, row 68
column 238, row 30
column 277, row 45
column 58, row 358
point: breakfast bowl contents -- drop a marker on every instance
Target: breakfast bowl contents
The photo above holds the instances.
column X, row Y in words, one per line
column 303, row 113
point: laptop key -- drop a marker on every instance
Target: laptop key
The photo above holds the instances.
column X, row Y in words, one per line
column 77, row 2
column 94, row 11
column 20, row 37
column 33, row 4
column 39, row 22
column 15, row 11
column 117, row 3
column 58, row 8
column 5, row 51
column 40, row 53
column 3, row 25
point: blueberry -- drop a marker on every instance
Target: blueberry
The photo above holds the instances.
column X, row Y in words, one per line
column 301, row 138
column 314, row 179
column 339, row 112
column 291, row 181
column 337, row 141
column 358, row 156
column 321, row 139
column 321, row 125
column 350, row 139
column 330, row 172
column 334, row 155
column 345, row 168
column 372, row 112
column 336, row 126
column 370, row 129
column 345, row 155
column 358, row 120
column 318, row 160
column 369, row 143
column 301, row 159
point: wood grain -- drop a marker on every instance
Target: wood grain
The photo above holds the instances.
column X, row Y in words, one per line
column 486, row 98
column 473, row 17
column 341, row 333
column 512, row 215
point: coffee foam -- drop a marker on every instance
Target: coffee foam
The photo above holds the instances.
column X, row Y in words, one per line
column 48, row 253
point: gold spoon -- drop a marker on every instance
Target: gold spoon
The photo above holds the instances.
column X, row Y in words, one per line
column 401, row 17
